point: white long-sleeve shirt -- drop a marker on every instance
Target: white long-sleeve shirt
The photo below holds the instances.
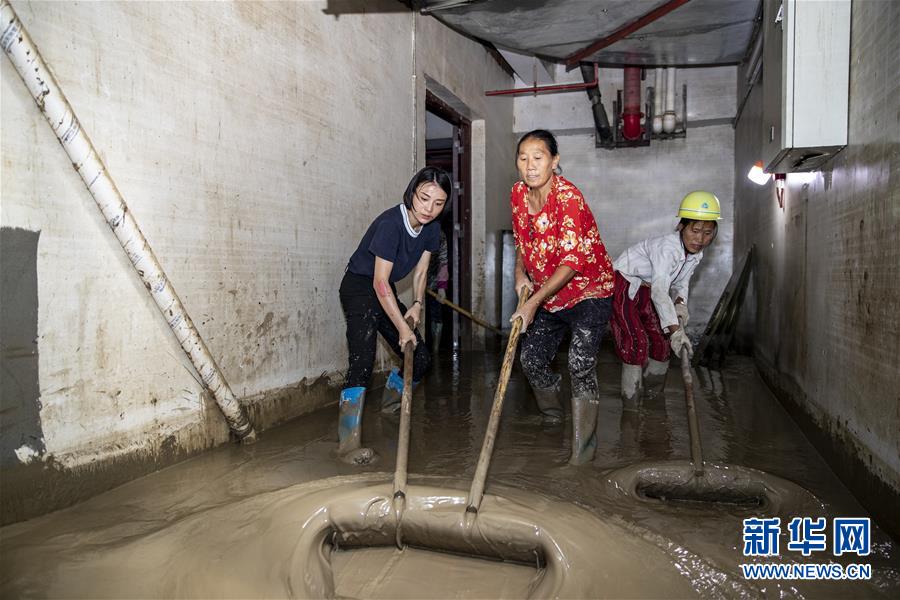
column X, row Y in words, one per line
column 664, row 265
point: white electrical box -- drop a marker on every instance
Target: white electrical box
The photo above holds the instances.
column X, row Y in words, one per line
column 806, row 82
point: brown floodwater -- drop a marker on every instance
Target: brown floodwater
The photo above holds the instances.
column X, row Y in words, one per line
column 239, row 521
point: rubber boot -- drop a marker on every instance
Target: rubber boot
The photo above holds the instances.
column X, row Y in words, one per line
column 585, row 408
column 393, row 393
column 655, row 378
column 436, row 329
column 631, row 386
column 350, row 427
column 392, row 398
column 549, row 404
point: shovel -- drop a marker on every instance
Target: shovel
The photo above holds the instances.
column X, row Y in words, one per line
column 464, row 313
column 693, row 425
column 399, row 499
column 487, row 449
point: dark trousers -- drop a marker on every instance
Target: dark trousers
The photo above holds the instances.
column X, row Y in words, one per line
column 587, row 322
column 434, row 315
column 635, row 326
column 365, row 320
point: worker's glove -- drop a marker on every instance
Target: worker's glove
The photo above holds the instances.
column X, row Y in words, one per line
column 442, row 294
column 682, row 312
column 679, row 340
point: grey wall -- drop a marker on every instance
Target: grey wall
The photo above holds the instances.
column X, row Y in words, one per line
column 634, row 192
column 459, row 71
column 826, row 310
column 254, row 143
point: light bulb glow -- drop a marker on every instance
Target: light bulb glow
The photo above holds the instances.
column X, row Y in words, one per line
column 757, row 175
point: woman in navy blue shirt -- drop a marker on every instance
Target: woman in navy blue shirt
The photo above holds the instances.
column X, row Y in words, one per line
column 399, row 240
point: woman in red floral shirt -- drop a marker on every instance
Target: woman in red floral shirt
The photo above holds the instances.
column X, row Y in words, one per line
column 561, row 258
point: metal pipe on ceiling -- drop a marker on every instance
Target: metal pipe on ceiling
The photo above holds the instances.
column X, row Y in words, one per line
column 576, row 57
column 669, row 116
column 601, row 121
column 444, row 5
column 659, row 91
column 545, row 89
column 631, row 111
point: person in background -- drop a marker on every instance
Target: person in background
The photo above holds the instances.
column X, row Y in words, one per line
column 651, row 294
column 438, row 279
column 561, row 258
column 399, row 240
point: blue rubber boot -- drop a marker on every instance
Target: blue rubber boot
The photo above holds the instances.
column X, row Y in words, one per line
column 393, row 393
column 350, row 427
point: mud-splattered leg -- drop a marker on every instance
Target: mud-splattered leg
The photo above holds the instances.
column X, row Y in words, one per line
column 361, row 312
column 393, row 387
column 538, row 348
column 588, row 321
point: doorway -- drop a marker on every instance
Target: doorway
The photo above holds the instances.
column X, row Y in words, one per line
column 448, row 146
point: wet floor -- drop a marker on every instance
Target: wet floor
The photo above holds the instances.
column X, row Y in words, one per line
column 740, row 422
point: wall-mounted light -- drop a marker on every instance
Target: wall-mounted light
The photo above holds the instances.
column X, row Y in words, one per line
column 803, row 177
column 757, row 175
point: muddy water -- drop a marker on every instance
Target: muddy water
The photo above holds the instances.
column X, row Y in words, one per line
column 173, row 533
column 387, row 572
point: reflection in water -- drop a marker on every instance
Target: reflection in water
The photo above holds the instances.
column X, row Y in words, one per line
column 740, row 423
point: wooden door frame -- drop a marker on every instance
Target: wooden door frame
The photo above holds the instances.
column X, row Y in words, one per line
column 443, row 110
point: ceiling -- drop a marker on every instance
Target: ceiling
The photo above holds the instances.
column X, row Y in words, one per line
column 690, row 33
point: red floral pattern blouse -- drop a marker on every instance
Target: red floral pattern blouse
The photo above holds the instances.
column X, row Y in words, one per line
column 562, row 233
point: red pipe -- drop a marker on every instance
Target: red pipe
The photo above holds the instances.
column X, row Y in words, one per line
column 631, row 115
column 574, row 58
column 543, row 89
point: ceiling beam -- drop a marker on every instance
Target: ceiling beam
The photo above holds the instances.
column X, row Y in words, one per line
column 573, row 59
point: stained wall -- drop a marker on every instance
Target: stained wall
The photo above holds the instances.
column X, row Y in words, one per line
column 824, row 321
column 254, row 143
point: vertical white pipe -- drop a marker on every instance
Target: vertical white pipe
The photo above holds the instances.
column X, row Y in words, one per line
column 669, row 117
column 52, row 103
column 658, row 93
column 415, row 96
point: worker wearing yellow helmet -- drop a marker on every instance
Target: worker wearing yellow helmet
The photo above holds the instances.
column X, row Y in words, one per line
column 651, row 293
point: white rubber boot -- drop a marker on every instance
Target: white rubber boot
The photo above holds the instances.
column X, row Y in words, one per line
column 631, row 386
column 655, row 378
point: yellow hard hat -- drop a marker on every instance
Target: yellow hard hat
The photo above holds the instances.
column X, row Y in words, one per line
column 700, row 206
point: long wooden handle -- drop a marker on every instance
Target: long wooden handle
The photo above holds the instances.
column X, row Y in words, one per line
column 464, row 312
column 400, row 470
column 487, row 448
column 693, row 424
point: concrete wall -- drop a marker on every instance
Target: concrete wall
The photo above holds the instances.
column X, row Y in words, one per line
column 254, row 143
column 460, row 79
column 826, row 312
column 634, row 192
